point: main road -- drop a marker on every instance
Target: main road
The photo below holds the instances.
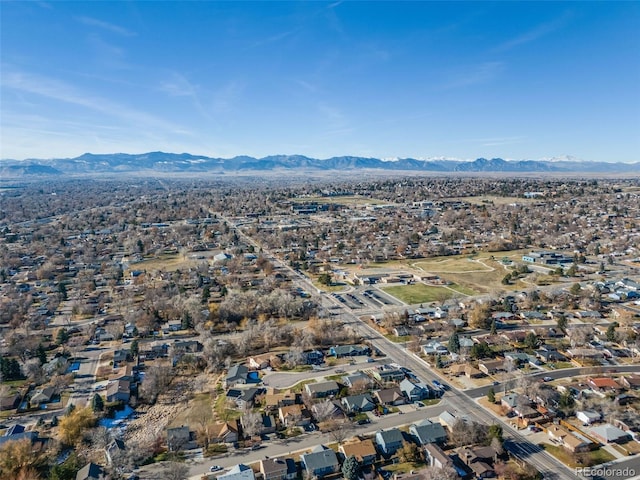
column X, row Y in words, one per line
column 456, row 401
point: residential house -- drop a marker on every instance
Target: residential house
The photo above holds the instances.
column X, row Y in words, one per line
column 363, row 450
column 118, row 391
column 260, row 362
column 387, row 374
column 604, row 384
column 278, row 469
column 179, row 438
column 472, row 372
column 414, row 391
column 607, row 433
column 237, row 374
column 238, row 472
column 478, row 460
column 91, row 471
column 587, row 417
column 358, row 403
column 572, row 441
column 31, row 436
column 294, row 415
column 358, row 379
column 244, row 397
column 115, row 448
column 322, row 389
column 436, row 457
column 490, row 367
column 340, row 351
column 314, row 357
column 42, row 395
column 334, row 413
column 10, row 402
column 226, row 432
column 427, row 431
column 435, row 348
column 273, row 400
column 321, row 461
column 631, row 382
column 389, row 441
column 390, row 396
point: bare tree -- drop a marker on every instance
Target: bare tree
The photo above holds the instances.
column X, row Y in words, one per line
column 251, row 424
column 339, row 430
column 323, row 410
column 175, row 471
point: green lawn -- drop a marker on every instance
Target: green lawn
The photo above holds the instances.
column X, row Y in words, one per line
column 462, row 289
column 419, row 293
column 594, row 457
column 396, row 339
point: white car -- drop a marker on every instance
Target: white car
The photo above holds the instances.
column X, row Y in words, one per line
column 215, row 468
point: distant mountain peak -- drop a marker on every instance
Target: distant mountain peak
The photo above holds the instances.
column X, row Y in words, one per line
column 161, row 162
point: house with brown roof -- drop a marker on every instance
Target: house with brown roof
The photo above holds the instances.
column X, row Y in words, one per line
column 294, row 415
column 224, row 432
column 390, row 396
column 363, row 450
column 631, row 382
column 273, row 401
column 604, row 384
column 278, row 469
column 568, row 440
column 436, row 457
column 489, row 367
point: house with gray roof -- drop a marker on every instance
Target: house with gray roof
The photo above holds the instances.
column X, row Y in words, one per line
column 90, row 471
column 237, row 374
column 414, row 391
column 322, row 389
column 389, row 441
column 427, row 431
column 358, row 403
column 238, row 472
column 320, row 461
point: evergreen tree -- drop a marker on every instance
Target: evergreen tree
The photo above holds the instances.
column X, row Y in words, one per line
column 41, row 354
column 454, row 343
column 97, row 404
column 611, row 331
column 351, row 468
column 135, row 348
column 439, row 363
column 562, row 323
column 491, row 395
column 493, row 327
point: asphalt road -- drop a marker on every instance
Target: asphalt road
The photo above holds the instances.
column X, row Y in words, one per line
column 277, row 448
column 455, row 400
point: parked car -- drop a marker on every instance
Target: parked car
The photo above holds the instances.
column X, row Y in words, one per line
column 547, row 379
column 215, row 468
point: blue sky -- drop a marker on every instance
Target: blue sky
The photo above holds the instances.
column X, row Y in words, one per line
column 385, row 79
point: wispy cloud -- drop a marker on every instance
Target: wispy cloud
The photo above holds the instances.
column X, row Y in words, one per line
column 481, row 73
column 274, row 38
column 94, row 22
column 535, row 33
column 62, row 92
column 224, row 98
column 180, row 86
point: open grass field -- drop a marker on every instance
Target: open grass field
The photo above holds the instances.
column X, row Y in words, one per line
column 419, row 293
column 595, row 457
column 493, row 200
column 167, row 262
column 477, row 274
column 346, row 200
